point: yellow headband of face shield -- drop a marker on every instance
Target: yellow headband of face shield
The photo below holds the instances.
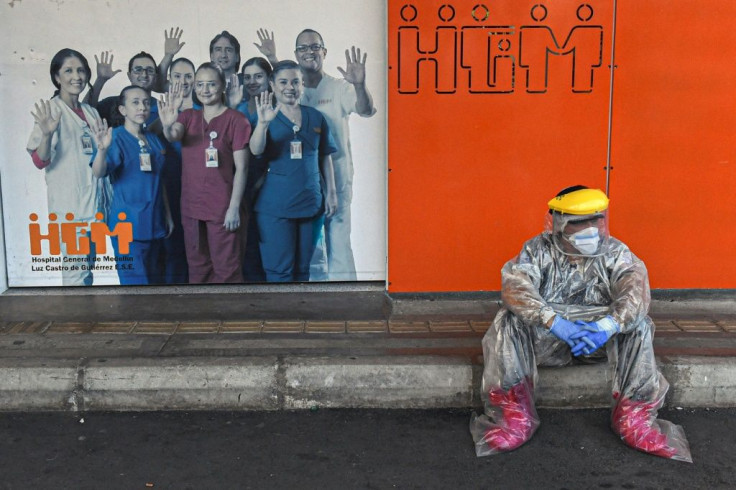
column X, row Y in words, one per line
column 580, row 202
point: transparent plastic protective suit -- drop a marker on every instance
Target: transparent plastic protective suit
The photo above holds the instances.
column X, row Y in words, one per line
column 548, row 278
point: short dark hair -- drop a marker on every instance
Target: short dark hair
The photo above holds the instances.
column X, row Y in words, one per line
column 142, row 54
column 181, row 60
column 233, row 40
column 284, row 65
column 117, row 118
column 311, row 31
column 58, row 60
column 261, row 63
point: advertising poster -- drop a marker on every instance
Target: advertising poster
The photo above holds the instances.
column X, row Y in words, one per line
column 171, row 194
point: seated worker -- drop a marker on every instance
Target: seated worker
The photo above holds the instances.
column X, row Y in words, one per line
column 574, row 292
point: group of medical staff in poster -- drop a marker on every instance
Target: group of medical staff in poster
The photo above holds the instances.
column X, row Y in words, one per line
column 230, row 176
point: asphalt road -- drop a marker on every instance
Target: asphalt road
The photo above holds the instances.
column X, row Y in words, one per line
column 343, row 449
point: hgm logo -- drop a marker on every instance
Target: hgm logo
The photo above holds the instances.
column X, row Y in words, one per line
column 491, row 54
column 77, row 236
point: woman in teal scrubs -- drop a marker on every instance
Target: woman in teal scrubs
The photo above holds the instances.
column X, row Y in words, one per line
column 133, row 159
column 299, row 187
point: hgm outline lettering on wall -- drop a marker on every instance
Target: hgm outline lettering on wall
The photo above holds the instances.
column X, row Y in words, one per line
column 74, row 235
column 490, row 54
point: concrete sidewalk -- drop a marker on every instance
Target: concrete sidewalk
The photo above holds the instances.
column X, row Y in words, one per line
column 257, row 348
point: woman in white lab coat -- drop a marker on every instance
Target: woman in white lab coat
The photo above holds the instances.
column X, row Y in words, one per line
column 61, row 144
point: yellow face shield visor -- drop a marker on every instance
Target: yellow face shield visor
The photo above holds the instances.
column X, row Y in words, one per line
column 583, row 201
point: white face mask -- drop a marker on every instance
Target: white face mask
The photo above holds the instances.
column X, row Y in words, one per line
column 586, row 241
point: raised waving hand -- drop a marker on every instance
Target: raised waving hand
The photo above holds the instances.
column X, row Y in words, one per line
column 354, row 71
column 104, row 66
column 44, row 118
column 267, row 46
column 102, row 134
column 264, row 106
column 172, row 41
column 234, row 91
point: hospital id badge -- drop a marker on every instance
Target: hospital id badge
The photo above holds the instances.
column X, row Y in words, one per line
column 296, row 149
column 145, row 159
column 211, row 158
column 87, row 144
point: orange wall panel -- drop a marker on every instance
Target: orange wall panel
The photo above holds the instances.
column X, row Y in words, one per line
column 673, row 197
column 477, row 147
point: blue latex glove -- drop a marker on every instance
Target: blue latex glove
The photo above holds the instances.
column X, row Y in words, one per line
column 564, row 329
column 593, row 335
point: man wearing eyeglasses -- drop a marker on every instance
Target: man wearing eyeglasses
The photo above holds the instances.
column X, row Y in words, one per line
column 336, row 99
column 141, row 73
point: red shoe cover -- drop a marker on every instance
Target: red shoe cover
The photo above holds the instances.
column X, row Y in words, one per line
column 633, row 421
column 516, row 427
column 501, row 439
column 497, row 397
